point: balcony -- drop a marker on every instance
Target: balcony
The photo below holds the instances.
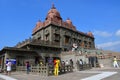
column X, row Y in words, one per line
column 37, row 42
column 45, row 43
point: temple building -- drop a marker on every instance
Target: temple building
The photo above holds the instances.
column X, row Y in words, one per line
column 49, row 39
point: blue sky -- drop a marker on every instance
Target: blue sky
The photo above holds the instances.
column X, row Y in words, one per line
column 101, row 17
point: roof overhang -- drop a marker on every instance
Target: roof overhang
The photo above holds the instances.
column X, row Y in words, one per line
column 13, row 49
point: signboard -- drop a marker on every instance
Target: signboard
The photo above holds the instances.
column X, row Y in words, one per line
column 13, row 61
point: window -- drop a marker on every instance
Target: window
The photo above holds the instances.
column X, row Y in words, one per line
column 57, row 37
column 47, row 37
column 66, row 39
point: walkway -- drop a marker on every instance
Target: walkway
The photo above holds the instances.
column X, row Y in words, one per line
column 92, row 74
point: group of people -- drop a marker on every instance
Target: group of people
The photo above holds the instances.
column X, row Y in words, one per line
column 80, row 64
column 9, row 67
column 56, row 64
column 67, row 62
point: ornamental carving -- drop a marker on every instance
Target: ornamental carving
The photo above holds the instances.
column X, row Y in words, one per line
column 46, row 32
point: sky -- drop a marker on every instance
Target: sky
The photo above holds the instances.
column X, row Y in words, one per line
column 101, row 17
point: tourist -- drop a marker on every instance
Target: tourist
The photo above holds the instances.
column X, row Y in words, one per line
column 9, row 64
column 115, row 64
column 71, row 63
column 28, row 67
column 78, row 65
column 63, row 64
column 67, row 63
column 56, row 67
column 81, row 64
column 50, row 62
column 41, row 63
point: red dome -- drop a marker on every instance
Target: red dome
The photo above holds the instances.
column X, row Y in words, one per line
column 38, row 26
column 69, row 21
column 70, row 25
column 52, row 13
column 38, row 23
column 90, row 34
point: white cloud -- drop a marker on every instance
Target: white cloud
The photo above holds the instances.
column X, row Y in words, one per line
column 109, row 44
column 102, row 33
column 118, row 33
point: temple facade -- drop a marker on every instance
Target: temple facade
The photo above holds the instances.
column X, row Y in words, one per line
column 49, row 39
column 63, row 33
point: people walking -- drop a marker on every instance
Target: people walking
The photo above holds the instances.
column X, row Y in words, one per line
column 115, row 63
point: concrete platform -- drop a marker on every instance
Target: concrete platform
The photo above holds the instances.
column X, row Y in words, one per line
column 111, row 74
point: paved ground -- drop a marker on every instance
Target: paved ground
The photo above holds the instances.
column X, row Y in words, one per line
column 78, row 75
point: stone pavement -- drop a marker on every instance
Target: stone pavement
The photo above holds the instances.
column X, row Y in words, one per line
column 76, row 75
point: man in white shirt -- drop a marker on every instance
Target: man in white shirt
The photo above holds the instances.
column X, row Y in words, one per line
column 9, row 64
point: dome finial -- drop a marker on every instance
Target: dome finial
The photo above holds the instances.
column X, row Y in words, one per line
column 90, row 34
column 68, row 18
column 53, row 6
column 39, row 20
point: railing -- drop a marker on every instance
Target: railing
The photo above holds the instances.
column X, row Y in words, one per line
column 84, row 66
column 20, row 44
column 40, row 42
column 66, row 69
column 21, row 68
column 40, row 69
column 44, row 70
